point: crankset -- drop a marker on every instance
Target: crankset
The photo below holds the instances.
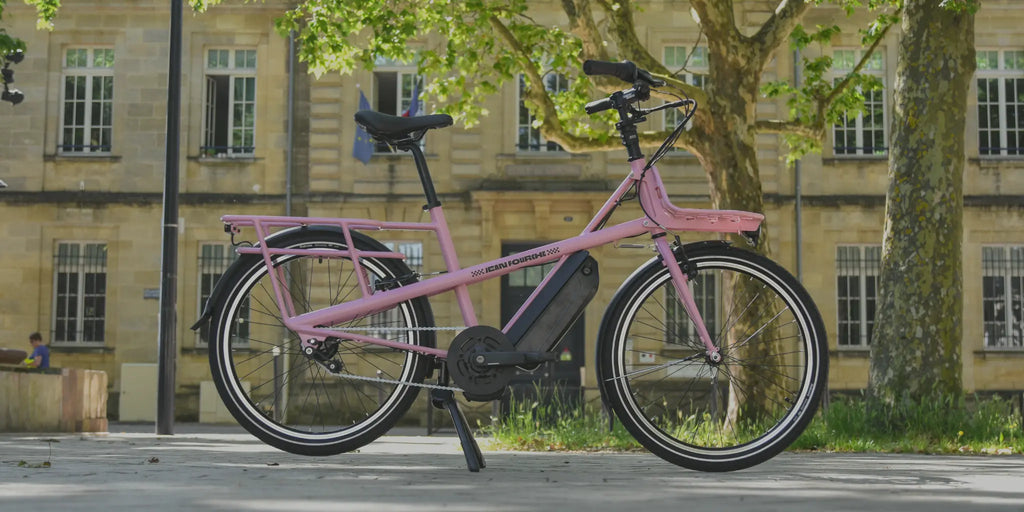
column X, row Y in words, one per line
column 482, row 361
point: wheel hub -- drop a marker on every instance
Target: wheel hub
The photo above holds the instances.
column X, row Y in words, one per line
column 714, row 358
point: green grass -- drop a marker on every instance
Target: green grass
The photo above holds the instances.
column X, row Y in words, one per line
column 554, row 426
column 976, row 426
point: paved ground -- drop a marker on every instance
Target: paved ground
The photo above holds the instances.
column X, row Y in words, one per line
column 203, row 468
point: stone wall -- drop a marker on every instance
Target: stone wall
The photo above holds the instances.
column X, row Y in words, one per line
column 67, row 400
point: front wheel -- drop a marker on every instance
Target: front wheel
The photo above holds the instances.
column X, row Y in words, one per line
column 691, row 409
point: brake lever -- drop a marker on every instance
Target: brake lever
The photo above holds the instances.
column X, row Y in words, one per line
column 646, row 76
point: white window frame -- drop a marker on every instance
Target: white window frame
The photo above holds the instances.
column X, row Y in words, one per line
column 1008, row 72
column 860, row 264
column 405, row 77
column 88, row 134
column 525, row 119
column 675, row 314
column 1004, row 264
column 240, row 140
column 413, row 251
column 81, row 265
column 695, row 60
column 209, row 269
column 844, row 60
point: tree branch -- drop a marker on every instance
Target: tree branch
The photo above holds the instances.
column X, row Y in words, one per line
column 777, row 29
column 624, row 32
column 842, row 85
column 717, row 16
column 581, row 23
column 812, row 131
column 577, row 144
column 630, row 47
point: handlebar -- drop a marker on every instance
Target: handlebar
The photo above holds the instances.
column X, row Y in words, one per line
column 623, row 101
column 625, row 71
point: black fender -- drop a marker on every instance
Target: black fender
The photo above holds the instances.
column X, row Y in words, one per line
column 242, row 263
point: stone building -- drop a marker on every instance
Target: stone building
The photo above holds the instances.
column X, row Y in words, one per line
column 83, row 158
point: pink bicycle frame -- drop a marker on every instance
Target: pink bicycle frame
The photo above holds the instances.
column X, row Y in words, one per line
column 662, row 216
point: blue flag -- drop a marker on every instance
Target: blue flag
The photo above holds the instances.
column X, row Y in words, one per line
column 362, row 148
column 414, row 106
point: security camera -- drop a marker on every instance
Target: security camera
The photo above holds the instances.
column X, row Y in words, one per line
column 13, row 95
column 15, row 57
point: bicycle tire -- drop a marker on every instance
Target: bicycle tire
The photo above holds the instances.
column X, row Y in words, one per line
column 284, row 397
column 655, row 374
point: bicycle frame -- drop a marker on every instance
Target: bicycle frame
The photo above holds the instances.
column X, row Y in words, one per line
column 661, row 216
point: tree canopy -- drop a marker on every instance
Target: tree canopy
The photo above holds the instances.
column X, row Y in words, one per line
column 45, row 9
column 471, row 48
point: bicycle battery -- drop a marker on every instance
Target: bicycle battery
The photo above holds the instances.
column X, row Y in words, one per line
column 548, row 318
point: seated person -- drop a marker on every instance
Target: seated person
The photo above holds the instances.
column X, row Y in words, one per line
column 40, row 357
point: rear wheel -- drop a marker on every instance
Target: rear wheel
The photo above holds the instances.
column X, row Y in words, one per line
column 689, row 408
column 288, row 399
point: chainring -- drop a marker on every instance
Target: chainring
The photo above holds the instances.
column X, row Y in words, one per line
column 479, row 382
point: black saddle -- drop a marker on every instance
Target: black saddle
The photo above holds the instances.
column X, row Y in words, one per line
column 394, row 129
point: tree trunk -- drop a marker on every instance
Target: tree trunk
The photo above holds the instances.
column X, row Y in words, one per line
column 727, row 150
column 915, row 347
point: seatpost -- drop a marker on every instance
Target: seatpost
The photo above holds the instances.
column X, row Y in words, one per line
column 421, row 168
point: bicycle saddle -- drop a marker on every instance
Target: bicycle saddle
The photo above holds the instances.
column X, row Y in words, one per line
column 388, row 127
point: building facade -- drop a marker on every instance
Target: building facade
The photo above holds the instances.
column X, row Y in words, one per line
column 83, row 157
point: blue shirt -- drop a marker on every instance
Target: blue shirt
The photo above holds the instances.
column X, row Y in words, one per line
column 41, row 352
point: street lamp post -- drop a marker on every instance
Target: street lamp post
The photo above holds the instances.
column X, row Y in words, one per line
column 167, row 343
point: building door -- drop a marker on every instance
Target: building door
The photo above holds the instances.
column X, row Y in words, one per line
column 561, row 376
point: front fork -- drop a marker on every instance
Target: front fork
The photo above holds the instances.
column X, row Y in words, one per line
column 680, row 281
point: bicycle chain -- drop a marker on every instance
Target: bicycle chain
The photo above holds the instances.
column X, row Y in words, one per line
column 393, row 381
column 403, row 329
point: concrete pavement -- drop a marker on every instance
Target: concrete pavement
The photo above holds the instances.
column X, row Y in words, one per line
column 223, row 468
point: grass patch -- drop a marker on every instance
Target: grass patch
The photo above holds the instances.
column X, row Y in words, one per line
column 951, row 426
column 553, row 425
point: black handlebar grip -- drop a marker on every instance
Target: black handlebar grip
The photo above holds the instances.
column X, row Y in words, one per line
column 598, row 106
column 625, row 70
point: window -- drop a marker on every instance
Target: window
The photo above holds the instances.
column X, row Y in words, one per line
column 690, row 64
column 214, row 260
column 88, row 100
column 1000, row 102
column 413, row 252
column 229, row 114
column 379, row 322
column 863, row 134
column 395, row 91
column 528, row 137
column 1002, row 288
column 79, row 292
column 680, row 329
column 857, row 292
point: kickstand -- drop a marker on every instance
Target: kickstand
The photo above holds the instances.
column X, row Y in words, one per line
column 445, row 399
